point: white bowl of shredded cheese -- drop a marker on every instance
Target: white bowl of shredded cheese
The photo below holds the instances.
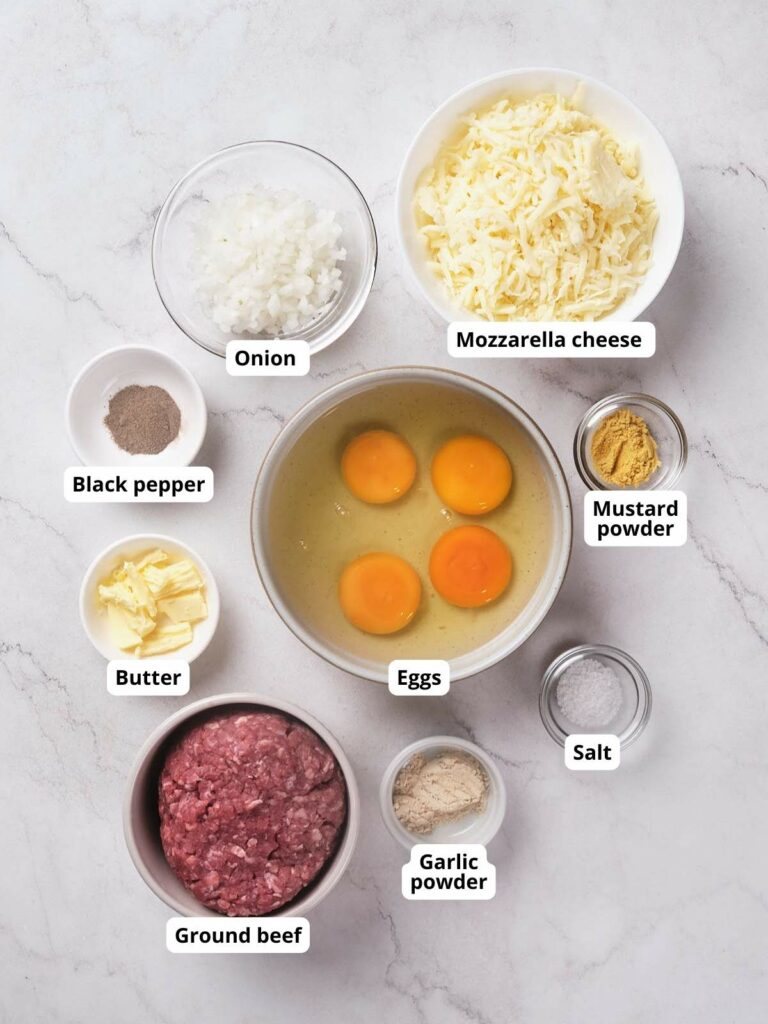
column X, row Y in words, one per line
column 539, row 194
column 265, row 239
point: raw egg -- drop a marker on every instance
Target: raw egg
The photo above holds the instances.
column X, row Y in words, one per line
column 470, row 566
column 379, row 593
column 378, row 466
column 471, row 474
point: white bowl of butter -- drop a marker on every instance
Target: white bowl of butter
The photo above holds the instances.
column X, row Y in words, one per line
column 613, row 111
column 182, row 603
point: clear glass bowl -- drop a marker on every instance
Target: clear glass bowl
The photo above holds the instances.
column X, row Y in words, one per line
column 276, row 165
column 667, row 431
column 636, row 691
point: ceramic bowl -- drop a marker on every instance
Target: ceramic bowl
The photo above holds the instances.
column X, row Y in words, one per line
column 93, row 615
column 141, row 820
column 510, row 637
column 609, row 107
column 110, row 372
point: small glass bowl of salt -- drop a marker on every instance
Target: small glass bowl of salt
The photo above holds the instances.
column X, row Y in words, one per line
column 595, row 688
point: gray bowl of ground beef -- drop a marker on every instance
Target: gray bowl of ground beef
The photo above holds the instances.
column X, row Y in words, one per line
column 241, row 805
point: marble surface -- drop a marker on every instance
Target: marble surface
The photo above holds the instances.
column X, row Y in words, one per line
column 636, row 896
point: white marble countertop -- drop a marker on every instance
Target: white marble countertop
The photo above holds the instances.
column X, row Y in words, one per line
column 635, row 896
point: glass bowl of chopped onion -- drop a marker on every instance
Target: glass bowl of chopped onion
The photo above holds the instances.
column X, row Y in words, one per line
column 595, row 688
column 264, row 240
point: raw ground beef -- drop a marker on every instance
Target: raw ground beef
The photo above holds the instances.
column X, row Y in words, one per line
column 251, row 807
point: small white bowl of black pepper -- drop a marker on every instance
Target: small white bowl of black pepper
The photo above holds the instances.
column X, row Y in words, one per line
column 136, row 406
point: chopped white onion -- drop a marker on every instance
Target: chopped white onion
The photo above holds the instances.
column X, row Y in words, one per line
column 266, row 261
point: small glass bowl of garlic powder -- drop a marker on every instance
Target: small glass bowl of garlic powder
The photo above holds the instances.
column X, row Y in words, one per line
column 431, row 773
column 595, row 688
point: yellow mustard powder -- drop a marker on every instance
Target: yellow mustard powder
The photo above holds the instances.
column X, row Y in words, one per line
column 623, row 449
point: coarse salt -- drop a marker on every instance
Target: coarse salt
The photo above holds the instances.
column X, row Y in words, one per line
column 589, row 694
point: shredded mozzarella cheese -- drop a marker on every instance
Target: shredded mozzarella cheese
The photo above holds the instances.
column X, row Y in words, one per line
column 536, row 212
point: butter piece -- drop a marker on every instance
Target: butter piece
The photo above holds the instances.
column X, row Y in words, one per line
column 151, row 603
column 188, row 607
column 118, row 593
column 166, row 638
column 140, row 621
column 122, row 635
column 152, row 558
column 173, row 579
column 138, row 585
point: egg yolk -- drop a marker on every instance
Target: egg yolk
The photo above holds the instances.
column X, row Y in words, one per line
column 471, row 474
column 379, row 593
column 470, row 566
column 378, row 466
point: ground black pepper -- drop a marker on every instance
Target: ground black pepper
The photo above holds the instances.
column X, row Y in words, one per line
column 143, row 420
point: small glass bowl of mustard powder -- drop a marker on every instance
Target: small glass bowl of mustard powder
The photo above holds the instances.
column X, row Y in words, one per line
column 630, row 441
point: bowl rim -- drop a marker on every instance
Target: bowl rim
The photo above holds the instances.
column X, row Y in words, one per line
column 155, row 353
column 161, row 733
column 303, row 416
column 402, row 203
column 151, row 539
column 620, row 398
column 408, row 839
column 642, row 713
column 162, row 218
